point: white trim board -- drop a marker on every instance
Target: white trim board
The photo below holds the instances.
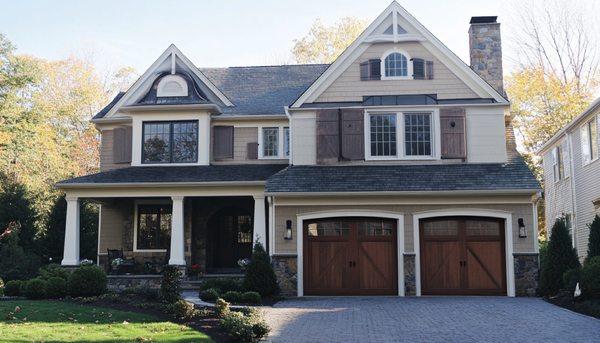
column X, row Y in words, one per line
column 349, row 213
column 508, row 240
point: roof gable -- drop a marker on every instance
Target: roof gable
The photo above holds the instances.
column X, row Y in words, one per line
column 404, row 28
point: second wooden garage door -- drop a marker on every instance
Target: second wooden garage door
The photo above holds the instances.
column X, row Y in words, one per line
column 350, row 256
column 463, row 255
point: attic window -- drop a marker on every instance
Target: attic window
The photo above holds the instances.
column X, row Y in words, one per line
column 394, row 65
column 172, row 85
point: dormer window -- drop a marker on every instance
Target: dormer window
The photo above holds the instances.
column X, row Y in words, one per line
column 395, row 65
column 170, row 142
column 172, row 85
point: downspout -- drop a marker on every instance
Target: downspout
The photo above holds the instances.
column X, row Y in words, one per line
column 289, row 116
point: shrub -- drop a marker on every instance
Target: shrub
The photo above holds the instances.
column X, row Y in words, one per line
column 170, row 287
column 260, row 276
column 53, row 270
column 13, row 288
column 594, row 238
column 223, row 285
column 232, row 297
column 87, row 281
column 210, row 294
column 571, row 277
column 56, row 287
column 221, row 307
column 35, row 289
column 251, row 298
column 245, row 328
column 181, row 310
column 1, row 287
column 590, row 277
column 560, row 257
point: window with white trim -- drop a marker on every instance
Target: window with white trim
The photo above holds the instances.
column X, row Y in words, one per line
column 589, row 141
column 274, row 142
column 153, row 229
column 408, row 135
column 396, row 65
column 558, row 166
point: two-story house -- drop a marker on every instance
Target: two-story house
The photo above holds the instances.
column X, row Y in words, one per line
column 572, row 175
column 391, row 171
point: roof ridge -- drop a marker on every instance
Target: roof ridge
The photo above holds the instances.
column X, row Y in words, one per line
column 271, row 66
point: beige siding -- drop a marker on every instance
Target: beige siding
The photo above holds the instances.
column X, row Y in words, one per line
column 349, row 87
column 114, row 217
column 558, row 195
column 304, row 138
column 241, row 137
column 283, row 213
column 486, row 135
column 106, row 152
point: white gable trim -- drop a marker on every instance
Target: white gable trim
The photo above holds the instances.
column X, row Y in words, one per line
column 431, row 43
column 171, row 52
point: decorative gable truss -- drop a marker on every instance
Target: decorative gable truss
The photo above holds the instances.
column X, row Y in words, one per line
column 173, row 75
column 396, row 25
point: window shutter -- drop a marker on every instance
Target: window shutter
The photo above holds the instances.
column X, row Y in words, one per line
column 585, row 144
column 327, row 136
column 566, row 158
column 370, row 70
column 453, row 133
column 353, row 144
column 222, row 142
column 122, row 145
column 429, row 70
column 418, row 68
column 252, row 151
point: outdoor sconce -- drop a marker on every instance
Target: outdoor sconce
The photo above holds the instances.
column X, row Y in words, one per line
column 288, row 229
column 522, row 231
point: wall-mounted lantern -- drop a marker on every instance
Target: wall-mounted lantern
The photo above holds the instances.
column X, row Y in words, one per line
column 288, row 229
column 522, row 229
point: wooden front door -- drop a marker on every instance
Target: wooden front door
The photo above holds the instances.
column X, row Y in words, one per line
column 463, row 255
column 230, row 237
column 350, row 256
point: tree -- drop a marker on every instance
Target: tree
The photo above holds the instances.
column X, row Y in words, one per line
column 260, row 276
column 323, row 44
column 594, row 238
column 560, row 257
column 15, row 262
column 17, row 207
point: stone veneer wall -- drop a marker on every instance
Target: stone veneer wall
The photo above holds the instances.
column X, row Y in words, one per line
column 121, row 283
column 410, row 286
column 527, row 268
column 286, row 271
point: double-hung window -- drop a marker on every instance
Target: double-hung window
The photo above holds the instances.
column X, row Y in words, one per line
column 170, row 142
column 558, row 166
column 275, row 142
column 589, row 141
column 153, row 230
column 406, row 135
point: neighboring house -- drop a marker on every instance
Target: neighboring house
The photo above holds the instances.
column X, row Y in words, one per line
column 391, row 171
column 572, row 175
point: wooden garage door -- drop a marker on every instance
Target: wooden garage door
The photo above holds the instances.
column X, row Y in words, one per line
column 463, row 255
column 350, row 256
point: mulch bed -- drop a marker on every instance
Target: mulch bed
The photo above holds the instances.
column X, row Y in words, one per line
column 208, row 323
column 589, row 307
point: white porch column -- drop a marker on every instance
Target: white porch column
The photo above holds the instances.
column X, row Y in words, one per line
column 71, row 251
column 177, row 233
column 260, row 224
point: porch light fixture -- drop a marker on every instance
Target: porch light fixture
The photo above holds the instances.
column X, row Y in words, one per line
column 288, row 230
column 522, row 231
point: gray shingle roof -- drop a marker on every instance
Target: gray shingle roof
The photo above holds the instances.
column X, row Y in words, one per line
column 256, row 90
column 403, row 178
column 263, row 90
column 167, row 174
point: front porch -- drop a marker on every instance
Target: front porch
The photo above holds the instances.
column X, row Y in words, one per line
column 204, row 235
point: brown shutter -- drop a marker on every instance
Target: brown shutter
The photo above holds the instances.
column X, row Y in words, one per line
column 122, row 145
column 353, row 144
column 453, row 132
column 418, row 68
column 429, row 70
column 327, row 136
column 252, row 151
column 222, row 142
column 370, row 70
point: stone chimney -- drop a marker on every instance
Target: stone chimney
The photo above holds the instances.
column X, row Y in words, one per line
column 485, row 46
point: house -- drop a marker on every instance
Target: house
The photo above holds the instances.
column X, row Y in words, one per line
column 391, row 171
column 572, row 175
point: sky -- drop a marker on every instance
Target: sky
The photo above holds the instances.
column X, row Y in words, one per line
column 114, row 34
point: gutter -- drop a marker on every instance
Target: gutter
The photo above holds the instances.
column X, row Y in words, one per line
column 157, row 185
column 392, row 107
column 182, row 107
column 408, row 193
column 111, row 120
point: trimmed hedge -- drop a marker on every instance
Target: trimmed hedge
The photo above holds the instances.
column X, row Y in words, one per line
column 36, row 289
column 54, row 270
column 170, row 287
column 232, row 297
column 260, row 276
column 209, row 295
column 181, row 310
column 13, row 288
column 590, row 278
column 56, row 287
column 245, row 327
column 87, row 281
column 251, row 298
column 222, row 285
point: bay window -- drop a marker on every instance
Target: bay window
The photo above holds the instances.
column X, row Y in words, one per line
column 404, row 135
column 170, row 142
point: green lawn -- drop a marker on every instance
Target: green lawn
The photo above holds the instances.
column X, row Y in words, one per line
column 55, row 321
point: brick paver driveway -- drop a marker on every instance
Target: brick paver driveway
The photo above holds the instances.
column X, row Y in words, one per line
column 427, row 319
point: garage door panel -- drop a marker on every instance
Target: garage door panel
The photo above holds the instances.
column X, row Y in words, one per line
column 327, row 265
column 485, row 271
column 377, row 266
column 442, row 261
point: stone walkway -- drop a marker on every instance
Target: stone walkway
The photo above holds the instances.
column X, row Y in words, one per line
column 427, row 319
